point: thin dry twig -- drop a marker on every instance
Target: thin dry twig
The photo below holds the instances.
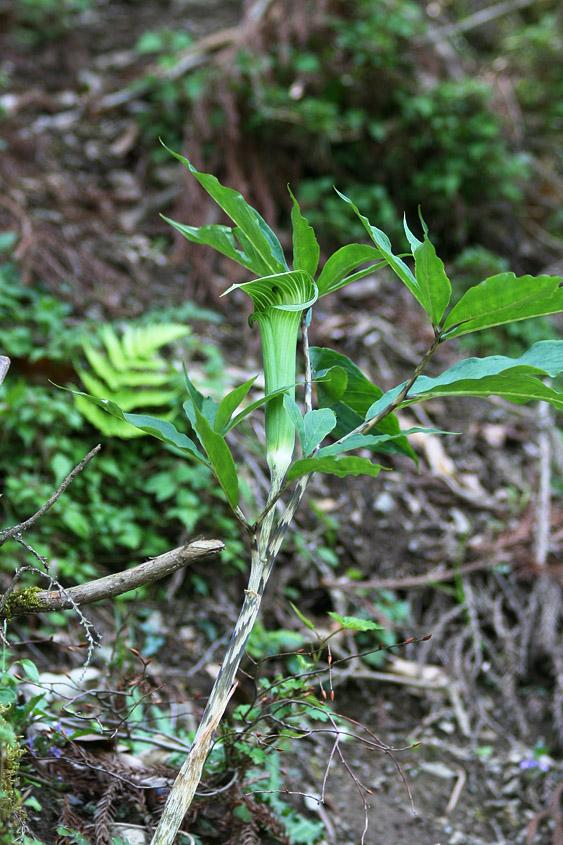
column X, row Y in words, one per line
column 426, row 580
column 17, row 530
column 481, row 17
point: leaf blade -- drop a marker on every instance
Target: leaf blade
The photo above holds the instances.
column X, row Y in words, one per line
column 355, row 623
column 358, row 394
column 306, row 250
column 339, row 466
column 515, row 379
column 255, row 228
column 229, row 404
column 383, row 244
column 220, row 458
column 436, row 288
column 338, row 266
column 504, row 298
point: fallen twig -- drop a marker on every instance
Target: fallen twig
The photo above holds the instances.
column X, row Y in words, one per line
column 415, row 580
column 118, row 582
column 481, row 17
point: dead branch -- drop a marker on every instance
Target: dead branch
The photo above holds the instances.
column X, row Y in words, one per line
column 119, row 582
column 192, row 57
column 481, row 17
column 17, row 530
column 414, row 581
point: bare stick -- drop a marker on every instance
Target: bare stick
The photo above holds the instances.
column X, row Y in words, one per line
column 16, row 530
column 120, row 582
column 543, row 502
column 4, row 365
column 425, row 580
column 481, row 17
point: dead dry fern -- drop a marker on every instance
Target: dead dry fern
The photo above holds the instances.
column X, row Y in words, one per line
column 105, row 812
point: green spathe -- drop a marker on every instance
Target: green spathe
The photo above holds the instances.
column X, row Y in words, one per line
column 279, row 301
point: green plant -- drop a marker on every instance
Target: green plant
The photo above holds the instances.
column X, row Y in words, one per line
column 356, row 413
column 15, row 717
column 341, row 97
column 43, row 20
column 129, row 372
column 35, row 324
column 511, row 338
column 130, row 499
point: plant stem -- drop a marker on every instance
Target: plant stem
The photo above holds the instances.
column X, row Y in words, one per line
column 266, row 543
column 367, row 425
column 189, row 776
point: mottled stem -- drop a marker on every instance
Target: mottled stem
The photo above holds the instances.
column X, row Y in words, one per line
column 188, row 778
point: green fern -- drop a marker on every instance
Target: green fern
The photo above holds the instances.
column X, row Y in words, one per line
column 130, row 372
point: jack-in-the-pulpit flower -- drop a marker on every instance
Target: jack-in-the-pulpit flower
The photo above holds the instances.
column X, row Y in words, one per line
column 279, row 302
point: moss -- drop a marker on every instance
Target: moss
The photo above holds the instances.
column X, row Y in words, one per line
column 19, row 600
column 10, row 755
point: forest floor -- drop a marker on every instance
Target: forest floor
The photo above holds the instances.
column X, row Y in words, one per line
column 479, row 704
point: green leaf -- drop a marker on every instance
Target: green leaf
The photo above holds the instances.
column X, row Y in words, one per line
column 263, row 240
column 125, row 398
column 515, row 379
column 306, row 250
column 313, row 427
column 305, row 619
column 513, row 385
column 435, row 287
column 76, row 838
column 317, row 424
column 220, row 458
column 355, row 623
column 258, row 403
column 8, row 696
column 199, row 402
column 159, row 428
column 342, row 467
column 220, row 238
column 29, row 668
column 108, row 425
column 334, row 274
column 165, row 431
column 334, row 381
column 229, row 404
column 351, row 406
column 365, row 441
column 504, row 298
column 7, row 240
column 143, row 341
column 383, row 245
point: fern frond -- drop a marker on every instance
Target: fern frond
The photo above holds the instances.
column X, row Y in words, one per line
column 144, row 341
column 130, row 373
